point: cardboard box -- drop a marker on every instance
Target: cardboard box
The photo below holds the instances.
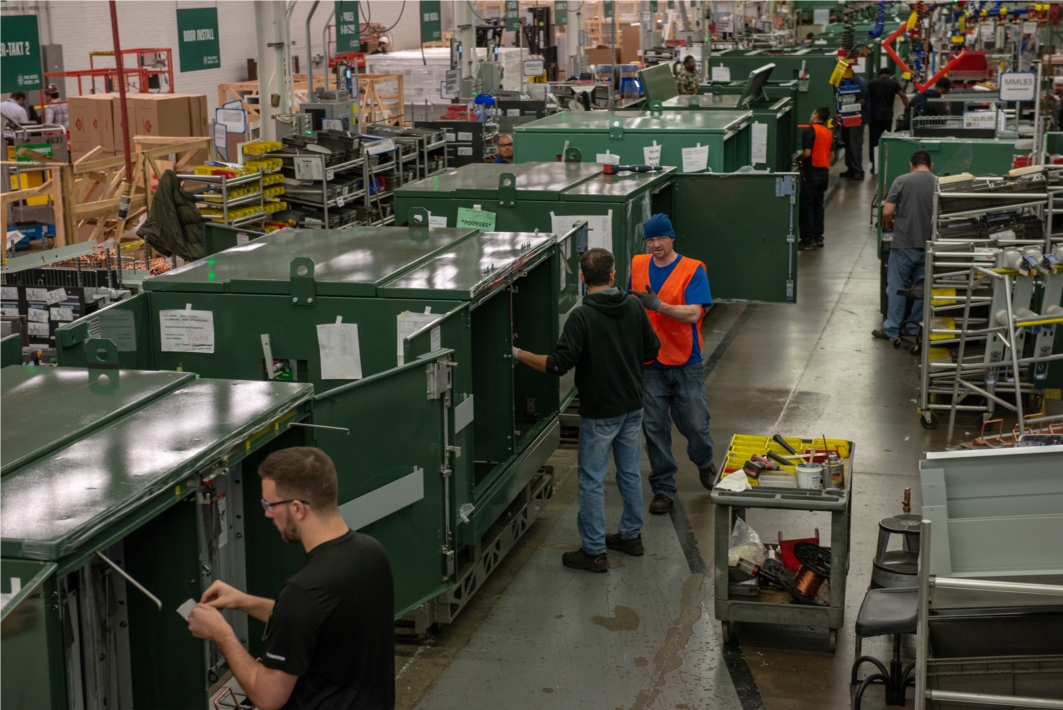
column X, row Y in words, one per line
column 600, row 55
column 161, row 115
column 200, row 119
column 629, row 44
column 91, row 122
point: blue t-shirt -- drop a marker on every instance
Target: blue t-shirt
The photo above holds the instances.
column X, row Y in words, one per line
column 499, row 159
column 697, row 291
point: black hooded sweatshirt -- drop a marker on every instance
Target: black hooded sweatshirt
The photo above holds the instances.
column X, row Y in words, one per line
column 607, row 339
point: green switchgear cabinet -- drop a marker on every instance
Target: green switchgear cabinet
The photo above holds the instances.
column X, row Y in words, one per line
column 548, row 197
column 817, row 63
column 11, row 350
column 772, row 133
column 628, row 133
column 147, row 470
column 270, row 303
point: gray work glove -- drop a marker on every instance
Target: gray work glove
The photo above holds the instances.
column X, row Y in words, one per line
column 515, row 351
column 649, row 299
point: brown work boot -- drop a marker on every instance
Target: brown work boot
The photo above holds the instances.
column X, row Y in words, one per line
column 708, row 475
column 578, row 559
column 660, row 504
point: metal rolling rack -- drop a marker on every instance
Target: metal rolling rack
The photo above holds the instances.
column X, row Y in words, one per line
column 220, row 186
column 315, row 192
column 385, row 163
column 980, row 264
column 431, row 147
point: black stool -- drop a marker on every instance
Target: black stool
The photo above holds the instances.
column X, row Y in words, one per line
column 886, row 611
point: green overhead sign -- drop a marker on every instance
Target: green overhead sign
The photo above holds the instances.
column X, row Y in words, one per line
column 560, row 13
column 512, row 16
column 197, row 39
column 348, row 34
column 431, row 24
column 607, row 9
column 20, row 54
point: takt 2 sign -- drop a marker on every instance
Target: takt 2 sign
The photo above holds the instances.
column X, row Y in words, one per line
column 348, row 35
column 20, row 54
column 197, row 39
column 431, row 24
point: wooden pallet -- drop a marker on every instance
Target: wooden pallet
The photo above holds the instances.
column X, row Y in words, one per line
column 380, row 100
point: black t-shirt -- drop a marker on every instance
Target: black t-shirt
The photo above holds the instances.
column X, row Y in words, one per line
column 933, row 108
column 333, row 626
column 883, row 90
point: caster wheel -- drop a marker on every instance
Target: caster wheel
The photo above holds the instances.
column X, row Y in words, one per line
column 896, row 342
column 832, row 640
column 728, row 632
column 915, row 349
column 932, row 423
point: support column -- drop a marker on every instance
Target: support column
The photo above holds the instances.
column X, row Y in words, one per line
column 465, row 22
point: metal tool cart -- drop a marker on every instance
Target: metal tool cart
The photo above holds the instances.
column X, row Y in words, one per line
column 731, row 505
column 627, row 133
column 990, row 253
column 215, row 191
column 471, row 448
column 989, row 619
column 155, row 507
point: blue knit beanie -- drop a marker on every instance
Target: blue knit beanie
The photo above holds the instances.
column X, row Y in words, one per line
column 658, row 226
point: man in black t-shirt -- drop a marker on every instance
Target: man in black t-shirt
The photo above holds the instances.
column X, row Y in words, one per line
column 329, row 640
column 883, row 91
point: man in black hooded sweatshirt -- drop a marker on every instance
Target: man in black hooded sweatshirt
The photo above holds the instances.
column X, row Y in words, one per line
column 607, row 339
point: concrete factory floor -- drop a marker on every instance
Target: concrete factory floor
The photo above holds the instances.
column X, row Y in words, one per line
column 539, row 635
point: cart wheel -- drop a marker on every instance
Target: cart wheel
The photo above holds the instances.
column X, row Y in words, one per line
column 832, row 639
column 896, row 342
column 915, row 349
column 929, row 423
column 728, row 632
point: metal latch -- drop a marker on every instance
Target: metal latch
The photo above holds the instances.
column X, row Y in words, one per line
column 656, row 109
column 448, row 562
column 573, row 155
column 616, row 129
column 784, row 186
column 439, row 380
column 419, row 225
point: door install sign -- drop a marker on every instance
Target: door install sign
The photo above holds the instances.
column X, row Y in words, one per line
column 197, row 35
column 20, row 54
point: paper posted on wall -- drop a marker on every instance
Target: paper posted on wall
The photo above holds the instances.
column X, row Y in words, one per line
column 760, row 143
column 337, row 346
column 186, row 331
column 695, row 159
column 599, row 227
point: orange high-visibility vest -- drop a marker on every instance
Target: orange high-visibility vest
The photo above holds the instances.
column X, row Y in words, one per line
column 820, row 157
column 677, row 338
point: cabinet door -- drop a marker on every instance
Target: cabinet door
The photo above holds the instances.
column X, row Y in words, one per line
column 390, row 467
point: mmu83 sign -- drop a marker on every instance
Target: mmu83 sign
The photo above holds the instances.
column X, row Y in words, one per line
column 197, row 39
column 20, row 54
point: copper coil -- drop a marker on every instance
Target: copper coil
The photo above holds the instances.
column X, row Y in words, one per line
column 808, row 582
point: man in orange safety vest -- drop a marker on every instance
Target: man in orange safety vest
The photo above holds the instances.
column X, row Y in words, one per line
column 675, row 291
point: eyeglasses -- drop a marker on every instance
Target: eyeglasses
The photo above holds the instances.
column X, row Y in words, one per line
column 266, row 505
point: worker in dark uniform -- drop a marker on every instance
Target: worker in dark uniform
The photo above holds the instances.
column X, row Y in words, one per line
column 816, row 143
column 883, row 91
column 329, row 639
column 936, row 108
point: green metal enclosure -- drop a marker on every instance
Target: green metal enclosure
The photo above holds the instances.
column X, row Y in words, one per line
column 744, row 228
column 11, row 350
column 773, row 149
column 219, row 237
column 628, row 133
column 818, row 63
column 272, row 302
column 146, row 469
column 549, row 197
column 774, row 91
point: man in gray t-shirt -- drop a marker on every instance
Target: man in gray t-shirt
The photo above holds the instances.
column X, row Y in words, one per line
column 909, row 211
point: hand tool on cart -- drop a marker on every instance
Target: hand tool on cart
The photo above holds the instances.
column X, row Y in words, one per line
column 614, row 169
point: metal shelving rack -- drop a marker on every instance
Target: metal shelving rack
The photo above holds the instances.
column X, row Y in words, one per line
column 219, row 186
column 984, row 280
column 329, row 172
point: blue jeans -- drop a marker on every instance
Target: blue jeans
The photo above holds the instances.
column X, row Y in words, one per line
column 596, row 438
column 904, row 265
column 676, row 395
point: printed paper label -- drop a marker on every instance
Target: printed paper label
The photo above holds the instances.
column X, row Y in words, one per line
column 337, row 346
column 186, row 331
column 476, row 219
column 695, row 159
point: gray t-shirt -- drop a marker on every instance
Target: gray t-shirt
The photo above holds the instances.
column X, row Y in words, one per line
column 913, row 220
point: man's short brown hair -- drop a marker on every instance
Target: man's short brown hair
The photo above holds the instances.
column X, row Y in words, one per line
column 303, row 473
